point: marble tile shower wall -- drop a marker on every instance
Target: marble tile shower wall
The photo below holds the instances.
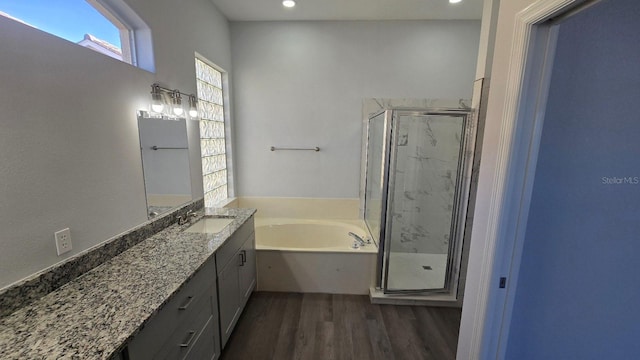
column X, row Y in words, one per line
column 373, row 105
column 425, row 182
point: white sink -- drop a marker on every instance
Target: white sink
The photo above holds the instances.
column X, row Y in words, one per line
column 209, row 225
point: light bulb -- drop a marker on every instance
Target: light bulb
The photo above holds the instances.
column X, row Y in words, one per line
column 157, row 107
column 177, row 103
column 289, row 3
column 156, row 99
column 193, row 106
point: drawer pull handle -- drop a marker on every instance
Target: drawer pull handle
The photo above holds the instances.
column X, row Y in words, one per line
column 243, row 256
column 187, row 303
column 189, row 339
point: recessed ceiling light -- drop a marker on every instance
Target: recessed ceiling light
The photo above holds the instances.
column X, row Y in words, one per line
column 291, row 3
column 454, row 1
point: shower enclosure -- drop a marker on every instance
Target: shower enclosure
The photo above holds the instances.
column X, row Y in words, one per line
column 417, row 180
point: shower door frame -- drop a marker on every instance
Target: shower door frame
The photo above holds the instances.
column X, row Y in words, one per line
column 384, row 185
column 461, row 195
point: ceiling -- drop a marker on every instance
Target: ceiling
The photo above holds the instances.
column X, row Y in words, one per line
column 272, row 10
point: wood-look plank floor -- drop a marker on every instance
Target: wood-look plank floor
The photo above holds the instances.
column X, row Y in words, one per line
column 283, row 326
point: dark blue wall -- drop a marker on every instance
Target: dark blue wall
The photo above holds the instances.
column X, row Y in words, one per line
column 578, row 294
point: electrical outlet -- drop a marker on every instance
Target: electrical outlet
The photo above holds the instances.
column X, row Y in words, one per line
column 63, row 241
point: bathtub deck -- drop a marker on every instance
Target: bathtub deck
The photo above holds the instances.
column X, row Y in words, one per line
column 325, row 326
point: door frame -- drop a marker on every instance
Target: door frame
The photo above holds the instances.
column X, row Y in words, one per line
column 528, row 79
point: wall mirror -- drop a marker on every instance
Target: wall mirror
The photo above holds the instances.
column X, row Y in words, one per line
column 165, row 162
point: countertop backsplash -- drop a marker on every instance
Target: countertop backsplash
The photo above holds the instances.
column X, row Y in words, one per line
column 96, row 314
column 42, row 283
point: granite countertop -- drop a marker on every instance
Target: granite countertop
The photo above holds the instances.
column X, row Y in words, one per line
column 95, row 315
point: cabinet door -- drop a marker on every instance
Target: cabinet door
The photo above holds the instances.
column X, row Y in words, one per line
column 228, row 298
column 215, row 324
column 247, row 270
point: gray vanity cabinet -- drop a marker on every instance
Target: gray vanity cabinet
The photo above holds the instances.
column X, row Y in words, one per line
column 236, row 277
column 187, row 326
column 198, row 320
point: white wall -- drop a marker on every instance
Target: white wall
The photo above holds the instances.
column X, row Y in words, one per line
column 301, row 84
column 69, row 148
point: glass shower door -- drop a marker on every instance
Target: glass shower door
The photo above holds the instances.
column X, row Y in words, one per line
column 377, row 144
column 376, row 180
column 426, row 170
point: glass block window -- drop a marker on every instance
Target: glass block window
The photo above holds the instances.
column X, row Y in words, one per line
column 212, row 133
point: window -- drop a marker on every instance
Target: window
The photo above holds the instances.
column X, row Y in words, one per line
column 213, row 142
column 109, row 27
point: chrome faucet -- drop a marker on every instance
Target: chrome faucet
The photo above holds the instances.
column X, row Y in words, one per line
column 186, row 217
column 359, row 240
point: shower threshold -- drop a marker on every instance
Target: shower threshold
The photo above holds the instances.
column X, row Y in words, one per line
column 377, row 296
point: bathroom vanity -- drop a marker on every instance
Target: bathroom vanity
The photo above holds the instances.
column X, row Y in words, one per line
column 199, row 319
column 176, row 295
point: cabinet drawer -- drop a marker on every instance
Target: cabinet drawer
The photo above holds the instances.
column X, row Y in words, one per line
column 191, row 302
column 189, row 332
column 227, row 251
column 204, row 347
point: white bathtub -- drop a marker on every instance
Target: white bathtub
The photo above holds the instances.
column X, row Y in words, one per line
column 309, row 235
column 306, row 255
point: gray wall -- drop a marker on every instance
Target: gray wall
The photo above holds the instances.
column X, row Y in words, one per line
column 578, row 293
column 301, row 84
column 69, row 148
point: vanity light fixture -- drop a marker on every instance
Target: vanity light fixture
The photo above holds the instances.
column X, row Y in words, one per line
column 157, row 104
column 176, row 103
column 454, row 1
column 289, row 3
column 174, row 107
column 193, row 106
